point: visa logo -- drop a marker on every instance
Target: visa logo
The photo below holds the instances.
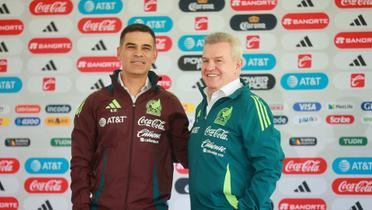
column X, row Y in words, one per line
column 10, row 84
column 27, row 121
column 307, row 106
column 348, row 165
column 100, row 6
column 46, row 165
column 156, row 23
column 304, row 81
column 191, row 42
column 258, row 62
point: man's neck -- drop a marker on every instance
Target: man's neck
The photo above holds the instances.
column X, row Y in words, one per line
column 134, row 83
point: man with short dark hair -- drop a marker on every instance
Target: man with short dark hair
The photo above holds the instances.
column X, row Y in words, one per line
column 127, row 136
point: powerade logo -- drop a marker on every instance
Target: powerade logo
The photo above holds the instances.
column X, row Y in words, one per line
column 191, row 42
column 10, row 84
column 259, row 81
column 307, row 106
column 27, row 121
column 87, row 7
column 158, row 24
column 358, row 165
column 366, row 106
column 258, row 62
column 190, row 62
column 304, row 81
column 46, row 165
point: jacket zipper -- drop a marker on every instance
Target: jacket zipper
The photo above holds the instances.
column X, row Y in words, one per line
column 130, row 156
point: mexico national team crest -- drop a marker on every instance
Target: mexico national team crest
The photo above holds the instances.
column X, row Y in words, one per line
column 223, row 116
column 153, row 107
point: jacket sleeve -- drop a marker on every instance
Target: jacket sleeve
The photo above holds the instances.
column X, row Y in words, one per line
column 82, row 153
column 262, row 145
column 179, row 133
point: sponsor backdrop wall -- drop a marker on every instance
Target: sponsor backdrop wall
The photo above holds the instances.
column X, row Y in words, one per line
column 310, row 59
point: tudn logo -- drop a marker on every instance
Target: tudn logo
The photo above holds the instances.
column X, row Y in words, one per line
column 305, row 3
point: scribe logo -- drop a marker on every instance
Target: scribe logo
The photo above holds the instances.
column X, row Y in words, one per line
column 150, row 5
column 9, row 165
column 98, row 64
column 9, row 203
column 50, row 45
column 254, row 22
column 352, row 186
column 357, row 80
column 11, row 27
column 99, row 25
column 259, row 81
column 340, row 119
column 201, row 5
column 252, row 42
column 304, row 166
column 27, row 108
column 201, row 23
column 298, row 21
column 51, row 7
column 46, row 185
column 190, row 62
column 302, row 203
column 304, row 61
column 163, row 43
column 353, row 40
column 49, row 84
column 353, row 3
column 165, row 81
column 253, row 5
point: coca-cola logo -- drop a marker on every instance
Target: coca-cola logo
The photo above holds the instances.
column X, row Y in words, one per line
column 217, row 133
column 98, row 64
column 340, row 119
column 354, row 3
column 296, row 21
column 9, row 203
column 9, row 165
column 302, row 204
column 304, row 166
column 146, row 133
column 51, row 7
column 153, row 123
column 253, row 5
column 46, row 185
column 50, row 45
column 163, row 43
column 99, row 25
column 352, row 186
column 11, row 27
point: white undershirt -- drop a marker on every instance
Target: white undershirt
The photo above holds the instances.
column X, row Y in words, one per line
column 226, row 90
column 145, row 88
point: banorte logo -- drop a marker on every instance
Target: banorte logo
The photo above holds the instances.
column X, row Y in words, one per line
column 302, row 204
column 9, row 166
column 46, row 185
column 99, row 25
column 298, row 21
column 163, row 43
column 354, row 3
column 352, row 186
column 249, row 5
column 304, row 166
column 11, row 27
column 8, row 203
column 98, row 64
column 51, row 7
column 340, row 119
column 50, row 45
column 353, row 40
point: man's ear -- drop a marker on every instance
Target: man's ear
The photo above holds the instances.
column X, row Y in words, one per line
column 239, row 64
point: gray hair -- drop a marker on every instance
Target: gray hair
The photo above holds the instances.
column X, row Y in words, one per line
column 234, row 42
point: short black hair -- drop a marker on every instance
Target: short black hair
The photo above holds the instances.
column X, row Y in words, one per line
column 136, row 27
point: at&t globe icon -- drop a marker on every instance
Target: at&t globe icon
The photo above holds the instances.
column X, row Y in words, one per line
column 344, row 165
column 189, row 43
column 292, row 81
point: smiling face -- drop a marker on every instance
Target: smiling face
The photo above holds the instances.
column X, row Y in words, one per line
column 137, row 53
column 219, row 67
